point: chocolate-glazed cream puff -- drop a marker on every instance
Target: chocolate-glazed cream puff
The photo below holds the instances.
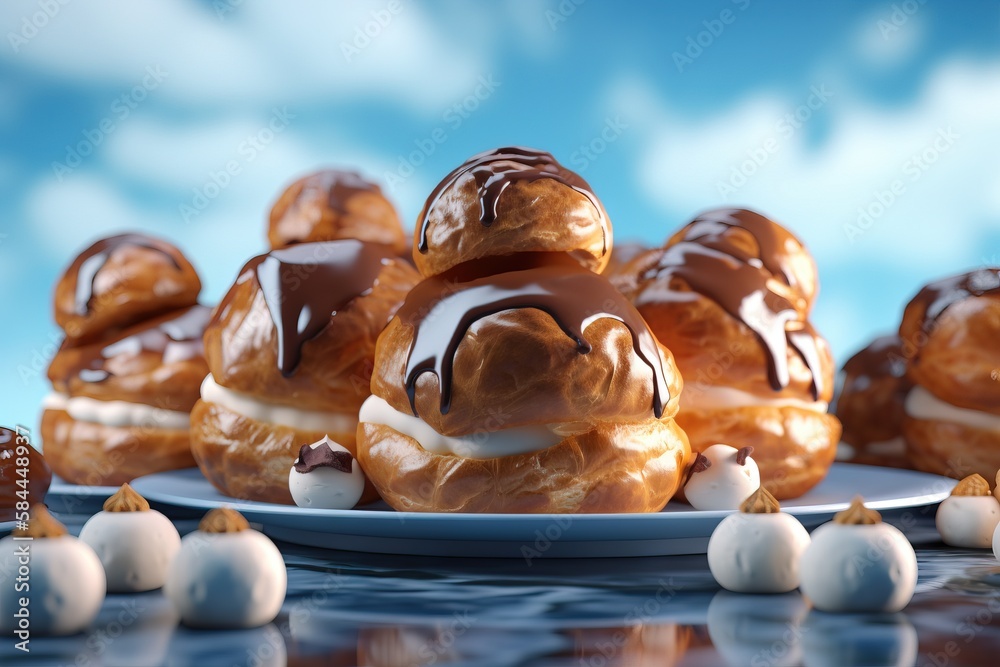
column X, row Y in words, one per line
column 949, row 336
column 332, row 204
column 870, row 405
column 290, row 350
column 127, row 374
column 730, row 293
column 514, row 378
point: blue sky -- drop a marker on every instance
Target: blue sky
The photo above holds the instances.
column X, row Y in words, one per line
column 869, row 129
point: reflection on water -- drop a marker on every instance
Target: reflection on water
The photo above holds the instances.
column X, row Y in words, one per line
column 348, row 609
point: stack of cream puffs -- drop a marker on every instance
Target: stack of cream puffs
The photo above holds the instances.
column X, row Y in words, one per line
column 290, row 347
column 515, row 378
column 731, row 294
column 127, row 373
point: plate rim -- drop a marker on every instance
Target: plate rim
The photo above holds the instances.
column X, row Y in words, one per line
column 928, row 497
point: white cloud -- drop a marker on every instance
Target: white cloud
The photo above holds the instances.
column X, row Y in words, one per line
column 890, row 35
column 66, row 215
column 266, row 53
column 934, row 228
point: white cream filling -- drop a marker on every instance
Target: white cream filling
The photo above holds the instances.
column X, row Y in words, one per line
column 483, row 444
column 922, row 404
column 120, row 414
column 272, row 413
column 695, row 397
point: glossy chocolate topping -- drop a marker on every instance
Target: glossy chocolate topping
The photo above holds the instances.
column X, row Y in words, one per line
column 37, row 474
column 442, row 309
column 323, row 456
column 306, row 284
column 176, row 336
column 710, row 260
column 494, row 171
column 882, row 358
column 88, row 263
column 940, row 295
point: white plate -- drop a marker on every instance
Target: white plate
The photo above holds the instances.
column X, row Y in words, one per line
column 66, row 498
column 676, row 530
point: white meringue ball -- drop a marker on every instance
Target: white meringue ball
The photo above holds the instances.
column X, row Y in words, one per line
column 135, row 548
column 326, row 487
column 64, row 582
column 858, row 568
column 968, row 521
column 227, row 579
column 757, row 553
column 725, row 483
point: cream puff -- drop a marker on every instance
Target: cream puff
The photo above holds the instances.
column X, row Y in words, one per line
column 332, row 204
column 870, row 405
column 731, row 294
column 949, row 332
column 24, row 475
column 290, row 348
column 127, row 374
column 514, row 378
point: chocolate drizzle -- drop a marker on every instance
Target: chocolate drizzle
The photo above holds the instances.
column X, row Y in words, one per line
column 441, row 310
column 494, row 171
column 711, row 260
column 938, row 296
column 306, row 284
column 176, row 336
column 323, row 456
column 882, row 358
column 89, row 263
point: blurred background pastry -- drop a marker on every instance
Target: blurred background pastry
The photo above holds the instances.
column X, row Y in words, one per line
column 870, row 405
column 127, row 374
column 514, row 378
column 333, row 204
column 949, row 337
column 290, row 350
column 730, row 294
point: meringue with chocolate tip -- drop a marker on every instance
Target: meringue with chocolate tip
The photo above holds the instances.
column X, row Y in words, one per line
column 66, row 586
column 226, row 575
column 758, row 549
column 970, row 515
column 856, row 563
column 136, row 544
column 326, row 476
column 721, row 478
